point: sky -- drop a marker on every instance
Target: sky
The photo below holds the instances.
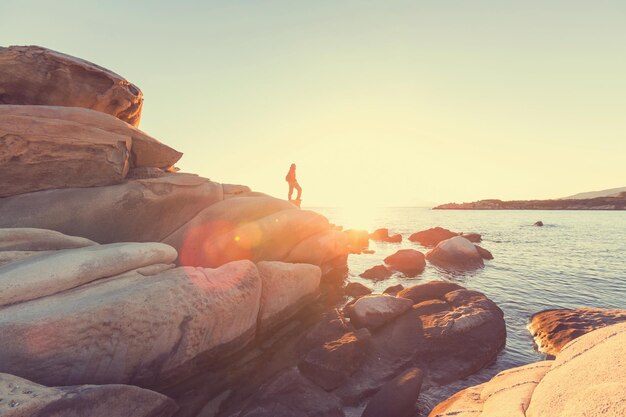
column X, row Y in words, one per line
column 379, row 103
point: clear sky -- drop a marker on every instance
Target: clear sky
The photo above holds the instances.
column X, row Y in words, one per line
column 386, row 103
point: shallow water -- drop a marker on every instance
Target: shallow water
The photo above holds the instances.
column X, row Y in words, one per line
column 578, row 259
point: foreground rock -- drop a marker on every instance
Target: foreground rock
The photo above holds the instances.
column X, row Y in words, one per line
column 432, row 237
column 146, row 151
column 289, row 395
column 373, row 311
column 408, row 261
column 396, row 398
column 23, row 398
column 553, row 329
column 61, row 270
column 135, row 211
column 588, row 378
column 36, row 75
column 31, row 239
column 133, row 328
column 285, row 289
column 456, row 253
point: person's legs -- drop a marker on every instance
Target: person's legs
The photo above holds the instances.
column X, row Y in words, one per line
column 290, row 191
column 299, row 189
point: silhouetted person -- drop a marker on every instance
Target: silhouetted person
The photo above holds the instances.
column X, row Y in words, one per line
column 293, row 182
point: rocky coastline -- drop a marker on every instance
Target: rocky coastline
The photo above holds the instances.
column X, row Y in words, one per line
column 130, row 289
column 598, row 203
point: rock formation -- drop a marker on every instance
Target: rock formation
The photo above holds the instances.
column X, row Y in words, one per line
column 553, row 329
column 456, row 253
column 432, row 237
column 40, row 76
column 408, row 261
column 587, row 378
column 23, row 398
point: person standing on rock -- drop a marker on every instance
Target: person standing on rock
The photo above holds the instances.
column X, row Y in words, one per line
column 293, row 183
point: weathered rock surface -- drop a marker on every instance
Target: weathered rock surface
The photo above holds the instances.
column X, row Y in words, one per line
column 484, row 253
column 506, row 394
column 23, row 398
column 61, row 270
column 146, row 151
column 429, row 291
column 331, row 364
column 396, row 398
column 132, row 328
column 292, row 395
column 587, row 378
column 553, row 329
column 432, row 237
column 40, row 76
column 373, row 311
column 408, row 261
column 356, row 289
column 31, row 239
column 135, row 211
column 285, row 289
column 449, row 337
column 456, row 253
column 53, row 153
column 377, row 272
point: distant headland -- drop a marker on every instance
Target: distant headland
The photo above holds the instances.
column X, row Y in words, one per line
column 615, row 202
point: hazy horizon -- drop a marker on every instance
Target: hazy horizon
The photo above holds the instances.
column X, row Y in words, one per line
column 395, row 103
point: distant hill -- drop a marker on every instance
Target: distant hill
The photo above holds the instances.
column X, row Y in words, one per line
column 611, row 192
column 597, row 203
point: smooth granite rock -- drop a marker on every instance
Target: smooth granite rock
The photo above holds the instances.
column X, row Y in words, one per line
column 286, row 288
column 378, row 272
column 456, row 253
column 62, row 270
column 133, row 329
column 432, row 237
column 135, row 211
column 428, row 291
column 40, row 76
column 31, row 239
column 397, row 397
column 553, row 329
column 408, row 261
column 146, row 151
column 373, row 311
column 22, row 398
column 356, row 289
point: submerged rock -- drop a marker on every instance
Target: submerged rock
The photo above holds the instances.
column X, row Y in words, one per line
column 36, row 75
column 456, row 253
column 407, row 261
column 553, row 329
column 432, row 237
column 23, row 398
column 378, row 272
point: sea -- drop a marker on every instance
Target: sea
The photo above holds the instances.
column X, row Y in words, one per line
column 577, row 259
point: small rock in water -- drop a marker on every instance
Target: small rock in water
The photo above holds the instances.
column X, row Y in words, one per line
column 356, row 289
column 484, row 253
column 378, row 272
column 394, row 289
column 407, row 261
column 538, row 223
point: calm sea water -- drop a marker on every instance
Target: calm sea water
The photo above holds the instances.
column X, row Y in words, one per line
column 578, row 259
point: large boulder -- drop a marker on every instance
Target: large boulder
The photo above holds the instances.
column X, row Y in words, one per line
column 408, row 261
column 31, row 239
column 290, row 394
column 331, row 364
column 432, row 237
column 146, row 151
column 373, row 311
column 23, row 398
column 456, row 253
column 135, row 211
column 588, row 377
column 256, row 228
column 398, row 397
column 448, row 337
column 61, row 270
column 553, row 329
column 286, row 288
column 53, row 153
column 40, row 76
column 429, row 291
column 135, row 328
